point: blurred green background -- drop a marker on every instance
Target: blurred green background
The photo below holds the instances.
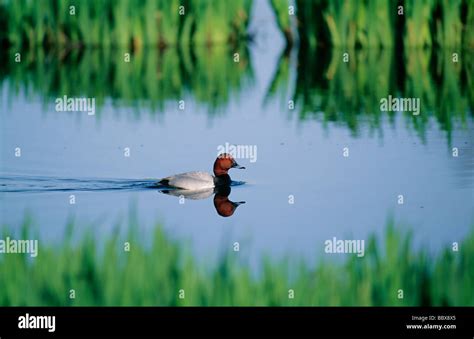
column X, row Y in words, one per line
column 107, row 275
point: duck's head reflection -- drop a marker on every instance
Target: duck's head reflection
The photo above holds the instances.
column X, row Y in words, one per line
column 224, row 207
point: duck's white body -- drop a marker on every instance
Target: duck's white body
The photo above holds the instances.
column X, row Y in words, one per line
column 191, row 180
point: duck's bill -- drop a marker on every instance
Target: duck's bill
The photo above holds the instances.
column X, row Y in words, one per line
column 236, row 165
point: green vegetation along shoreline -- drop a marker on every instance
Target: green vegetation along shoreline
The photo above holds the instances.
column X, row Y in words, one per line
column 136, row 23
column 125, row 23
column 374, row 23
column 164, row 271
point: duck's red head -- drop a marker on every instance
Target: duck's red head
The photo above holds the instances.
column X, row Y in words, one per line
column 223, row 163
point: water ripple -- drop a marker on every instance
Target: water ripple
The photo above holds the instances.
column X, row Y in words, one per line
column 30, row 184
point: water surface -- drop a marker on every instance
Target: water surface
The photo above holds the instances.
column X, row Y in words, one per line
column 300, row 151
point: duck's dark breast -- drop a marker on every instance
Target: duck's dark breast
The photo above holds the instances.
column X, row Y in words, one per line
column 222, row 180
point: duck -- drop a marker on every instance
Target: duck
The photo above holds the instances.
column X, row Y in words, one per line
column 202, row 180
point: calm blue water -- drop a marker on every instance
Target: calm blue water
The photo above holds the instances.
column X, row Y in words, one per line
column 66, row 153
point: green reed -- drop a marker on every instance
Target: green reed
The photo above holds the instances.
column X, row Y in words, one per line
column 125, row 23
column 374, row 23
column 281, row 10
column 133, row 23
column 341, row 22
column 153, row 272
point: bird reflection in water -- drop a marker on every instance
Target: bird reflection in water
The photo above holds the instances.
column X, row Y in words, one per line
column 224, row 207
